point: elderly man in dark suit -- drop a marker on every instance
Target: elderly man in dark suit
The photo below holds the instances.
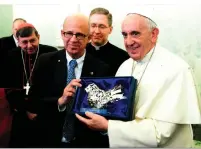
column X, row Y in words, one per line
column 48, row 93
column 6, row 44
column 10, row 42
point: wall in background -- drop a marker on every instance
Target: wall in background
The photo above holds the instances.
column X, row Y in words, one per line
column 178, row 22
column 6, row 18
column 179, row 28
column 47, row 18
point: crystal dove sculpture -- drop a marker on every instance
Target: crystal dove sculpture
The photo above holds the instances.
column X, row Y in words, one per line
column 99, row 98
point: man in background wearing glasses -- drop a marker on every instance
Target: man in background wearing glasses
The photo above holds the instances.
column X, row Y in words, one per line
column 50, row 89
column 19, row 67
column 100, row 27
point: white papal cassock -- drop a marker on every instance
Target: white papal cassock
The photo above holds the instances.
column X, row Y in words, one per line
column 166, row 103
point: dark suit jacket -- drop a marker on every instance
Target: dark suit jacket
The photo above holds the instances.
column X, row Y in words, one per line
column 14, row 78
column 49, row 81
column 110, row 54
column 7, row 43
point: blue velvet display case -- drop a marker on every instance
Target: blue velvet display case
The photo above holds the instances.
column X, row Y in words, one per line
column 111, row 97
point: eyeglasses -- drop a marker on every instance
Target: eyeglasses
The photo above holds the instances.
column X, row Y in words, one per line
column 99, row 26
column 79, row 36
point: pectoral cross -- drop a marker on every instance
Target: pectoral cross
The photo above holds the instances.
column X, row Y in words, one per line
column 27, row 88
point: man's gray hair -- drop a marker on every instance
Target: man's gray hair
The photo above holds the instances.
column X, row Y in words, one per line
column 19, row 19
column 151, row 24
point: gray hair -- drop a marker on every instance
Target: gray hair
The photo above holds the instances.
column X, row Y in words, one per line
column 19, row 19
column 151, row 24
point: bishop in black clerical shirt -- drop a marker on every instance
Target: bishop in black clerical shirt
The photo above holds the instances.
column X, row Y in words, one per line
column 18, row 69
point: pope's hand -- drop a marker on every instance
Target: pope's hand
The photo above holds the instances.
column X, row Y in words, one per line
column 94, row 121
column 69, row 91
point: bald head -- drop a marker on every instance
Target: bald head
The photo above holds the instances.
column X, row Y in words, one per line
column 75, row 34
column 78, row 20
column 16, row 23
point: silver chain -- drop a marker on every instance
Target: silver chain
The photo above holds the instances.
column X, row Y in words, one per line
column 133, row 68
column 28, row 79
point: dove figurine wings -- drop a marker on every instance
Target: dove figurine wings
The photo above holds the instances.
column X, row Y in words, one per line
column 110, row 97
column 98, row 98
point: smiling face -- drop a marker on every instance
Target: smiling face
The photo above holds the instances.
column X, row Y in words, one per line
column 30, row 43
column 75, row 35
column 139, row 39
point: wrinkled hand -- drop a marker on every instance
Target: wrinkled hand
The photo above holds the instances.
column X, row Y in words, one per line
column 69, row 91
column 31, row 116
column 95, row 121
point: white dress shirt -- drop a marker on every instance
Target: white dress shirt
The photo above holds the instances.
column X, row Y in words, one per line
column 78, row 71
column 16, row 41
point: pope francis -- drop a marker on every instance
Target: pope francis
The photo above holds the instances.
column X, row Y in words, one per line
column 166, row 102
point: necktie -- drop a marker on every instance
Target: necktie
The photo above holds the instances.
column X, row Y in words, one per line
column 68, row 130
column 71, row 70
